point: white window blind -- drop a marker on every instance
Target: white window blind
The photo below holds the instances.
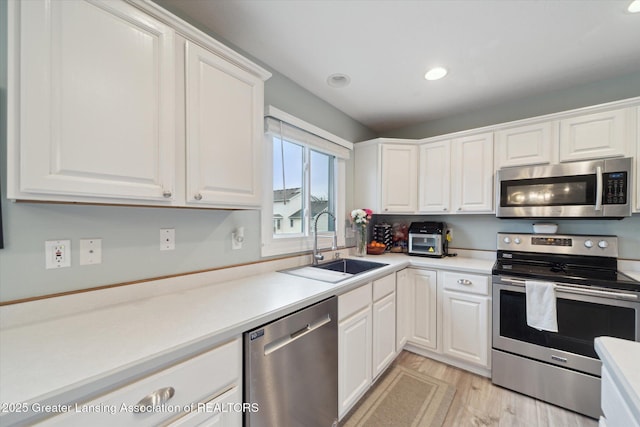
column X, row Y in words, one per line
column 288, row 127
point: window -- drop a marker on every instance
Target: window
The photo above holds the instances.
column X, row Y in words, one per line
column 304, row 177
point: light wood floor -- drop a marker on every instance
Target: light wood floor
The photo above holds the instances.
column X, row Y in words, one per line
column 478, row 402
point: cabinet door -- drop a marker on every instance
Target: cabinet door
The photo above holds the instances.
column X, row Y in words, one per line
column 423, row 309
column 92, row 102
column 472, row 173
column 399, row 178
column 354, row 363
column 465, row 327
column 525, row 145
column 593, row 136
column 384, row 333
column 403, row 304
column 224, row 131
column 435, row 177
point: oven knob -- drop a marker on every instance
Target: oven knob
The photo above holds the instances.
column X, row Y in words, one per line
column 507, row 240
column 517, row 240
column 603, row 244
column 588, row 243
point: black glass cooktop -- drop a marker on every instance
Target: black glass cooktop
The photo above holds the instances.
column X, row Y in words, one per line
column 567, row 269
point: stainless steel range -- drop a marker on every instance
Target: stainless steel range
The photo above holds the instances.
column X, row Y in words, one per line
column 591, row 299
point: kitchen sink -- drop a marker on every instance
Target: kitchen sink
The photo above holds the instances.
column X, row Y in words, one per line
column 335, row 271
column 350, row 266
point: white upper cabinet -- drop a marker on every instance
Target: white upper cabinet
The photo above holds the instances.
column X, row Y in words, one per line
column 435, row 177
column 456, row 175
column 111, row 103
column 597, row 135
column 224, row 131
column 91, row 101
column 525, row 145
column 399, row 178
column 637, row 160
column 386, row 175
column 472, row 174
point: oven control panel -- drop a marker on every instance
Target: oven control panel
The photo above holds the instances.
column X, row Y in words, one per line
column 578, row 244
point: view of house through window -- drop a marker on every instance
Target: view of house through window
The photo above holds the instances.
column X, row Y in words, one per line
column 303, row 182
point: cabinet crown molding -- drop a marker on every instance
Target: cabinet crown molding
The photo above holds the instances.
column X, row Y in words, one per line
column 624, row 103
column 199, row 36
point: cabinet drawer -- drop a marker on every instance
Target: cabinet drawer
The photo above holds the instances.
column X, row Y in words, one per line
column 464, row 282
column 384, row 286
column 354, row 301
column 194, row 380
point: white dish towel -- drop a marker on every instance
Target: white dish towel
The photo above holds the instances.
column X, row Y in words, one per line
column 541, row 305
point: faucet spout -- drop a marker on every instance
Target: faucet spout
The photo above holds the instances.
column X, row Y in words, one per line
column 318, row 256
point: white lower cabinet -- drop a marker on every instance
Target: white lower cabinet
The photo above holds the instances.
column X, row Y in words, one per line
column 384, row 323
column 464, row 327
column 354, row 346
column 616, row 410
column 403, row 304
column 205, row 388
column 423, row 309
column 448, row 317
column 366, row 338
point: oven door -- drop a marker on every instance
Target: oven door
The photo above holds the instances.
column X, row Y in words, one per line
column 583, row 314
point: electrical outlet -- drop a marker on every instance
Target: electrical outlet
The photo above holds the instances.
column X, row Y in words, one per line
column 90, row 251
column 57, row 253
column 167, row 239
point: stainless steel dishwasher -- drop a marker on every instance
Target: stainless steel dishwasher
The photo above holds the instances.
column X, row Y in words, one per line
column 291, row 369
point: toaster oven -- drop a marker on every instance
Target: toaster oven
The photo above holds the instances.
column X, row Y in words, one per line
column 428, row 239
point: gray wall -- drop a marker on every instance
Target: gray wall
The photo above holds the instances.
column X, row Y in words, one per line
column 130, row 235
column 584, row 95
column 479, row 231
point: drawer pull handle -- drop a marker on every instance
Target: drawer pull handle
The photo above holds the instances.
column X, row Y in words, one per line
column 465, row 282
column 166, row 194
column 198, row 196
column 154, row 399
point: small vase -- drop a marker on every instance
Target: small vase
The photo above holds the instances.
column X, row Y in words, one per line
column 361, row 241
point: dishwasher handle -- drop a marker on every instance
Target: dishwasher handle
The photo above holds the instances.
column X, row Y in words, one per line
column 288, row 339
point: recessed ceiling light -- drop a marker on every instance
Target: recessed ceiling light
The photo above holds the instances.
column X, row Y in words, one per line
column 338, row 80
column 435, row 73
column 634, row 7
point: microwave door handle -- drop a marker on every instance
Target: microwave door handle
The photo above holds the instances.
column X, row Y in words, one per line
column 598, row 188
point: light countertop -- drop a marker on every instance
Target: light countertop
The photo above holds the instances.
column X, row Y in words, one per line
column 68, row 357
column 622, row 359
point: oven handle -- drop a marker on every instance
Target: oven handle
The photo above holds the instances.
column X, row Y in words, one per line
column 579, row 290
column 598, row 188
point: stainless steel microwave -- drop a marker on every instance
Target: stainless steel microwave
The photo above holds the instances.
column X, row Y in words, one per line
column 589, row 189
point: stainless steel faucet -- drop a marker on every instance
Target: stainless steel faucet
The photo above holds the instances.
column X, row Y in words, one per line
column 317, row 256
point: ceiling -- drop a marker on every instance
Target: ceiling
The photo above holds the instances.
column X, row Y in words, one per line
column 495, row 50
